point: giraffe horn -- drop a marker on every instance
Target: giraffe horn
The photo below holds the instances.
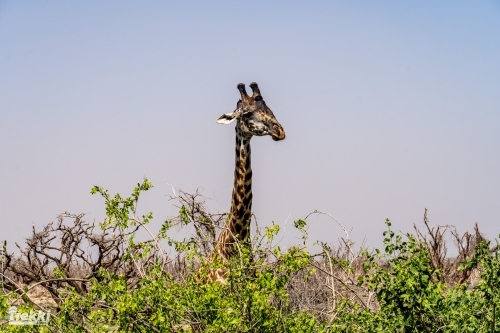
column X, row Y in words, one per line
column 243, row 92
column 255, row 89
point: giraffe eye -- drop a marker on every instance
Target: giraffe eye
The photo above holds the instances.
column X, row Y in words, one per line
column 258, row 98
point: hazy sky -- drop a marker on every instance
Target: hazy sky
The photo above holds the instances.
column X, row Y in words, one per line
column 388, row 106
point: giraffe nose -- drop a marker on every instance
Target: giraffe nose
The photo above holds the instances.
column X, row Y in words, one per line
column 278, row 133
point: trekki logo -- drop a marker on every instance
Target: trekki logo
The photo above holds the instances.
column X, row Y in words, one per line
column 25, row 318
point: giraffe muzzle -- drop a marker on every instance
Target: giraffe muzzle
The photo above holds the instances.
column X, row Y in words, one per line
column 278, row 133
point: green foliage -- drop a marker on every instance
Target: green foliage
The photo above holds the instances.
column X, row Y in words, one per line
column 121, row 211
column 412, row 298
column 246, row 303
column 255, row 297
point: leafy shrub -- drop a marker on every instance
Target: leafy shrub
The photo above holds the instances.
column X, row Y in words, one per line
column 132, row 286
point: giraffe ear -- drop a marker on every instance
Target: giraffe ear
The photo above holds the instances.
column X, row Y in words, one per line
column 226, row 118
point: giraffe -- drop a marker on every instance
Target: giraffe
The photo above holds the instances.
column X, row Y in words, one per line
column 253, row 118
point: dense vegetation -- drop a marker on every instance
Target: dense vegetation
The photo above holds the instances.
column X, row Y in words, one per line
column 98, row 278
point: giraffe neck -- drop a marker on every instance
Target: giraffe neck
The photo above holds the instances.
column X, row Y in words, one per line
column 241, row 203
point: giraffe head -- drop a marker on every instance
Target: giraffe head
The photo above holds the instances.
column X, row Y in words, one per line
column 253, row 115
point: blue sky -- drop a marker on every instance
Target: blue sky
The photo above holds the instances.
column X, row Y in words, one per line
column 389, row 107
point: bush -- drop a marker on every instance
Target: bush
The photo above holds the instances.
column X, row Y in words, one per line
column 121, row 285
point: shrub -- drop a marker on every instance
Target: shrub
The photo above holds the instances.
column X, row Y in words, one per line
column 123, row 285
